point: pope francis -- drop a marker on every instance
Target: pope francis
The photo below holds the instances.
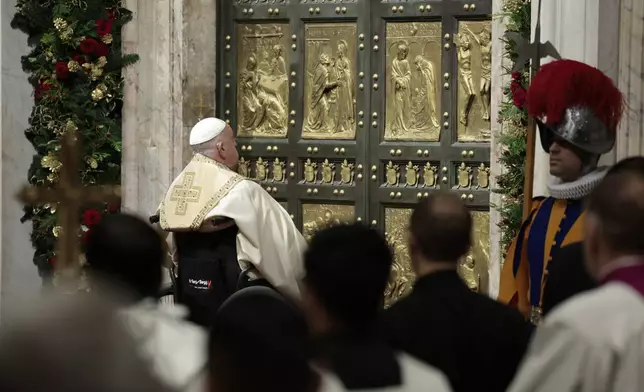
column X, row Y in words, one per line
column 228, row 232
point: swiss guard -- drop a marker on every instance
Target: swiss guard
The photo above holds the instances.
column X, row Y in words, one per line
column 577, row 109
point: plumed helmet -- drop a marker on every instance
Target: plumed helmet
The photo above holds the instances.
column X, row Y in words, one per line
column 577, row 103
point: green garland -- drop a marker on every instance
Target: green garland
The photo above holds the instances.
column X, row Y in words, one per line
column 75, row 66
column 514, row 118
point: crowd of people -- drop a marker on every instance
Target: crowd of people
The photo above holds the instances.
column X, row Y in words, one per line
column 259, row 309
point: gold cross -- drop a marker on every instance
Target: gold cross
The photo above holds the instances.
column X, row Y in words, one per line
column 200, row 106
column 70, row 195
column 185, row 193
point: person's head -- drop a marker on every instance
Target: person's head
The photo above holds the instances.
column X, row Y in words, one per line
column 324, row 59
column 277, row 50
column 577, row 109
column 403, row 50
column 569, row 162
column 346, row 267
column 251, row 63
column 215, row 139
column 342, row 48
column 441, row 231
column 615, row 216
column 256, row 330
column 464, row 40
column 127, row 253
column 71, row 343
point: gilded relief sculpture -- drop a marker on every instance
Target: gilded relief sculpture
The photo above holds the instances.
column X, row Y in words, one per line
column 482, row 177
column 262, row 93
column 310, row 171
column 330, row 103
column 392, row 174
column 474, row 53
column 261, row 169
column 401, row 81
column 328, row 172
column 346, row 173
column 413, row 96
column 401, row 278
column 243, row 168
column 464, row 177
column 278, row 170
column 319, row 216
column 473, row 268
column 424, row 114
column 430, row 175
column 411, row 175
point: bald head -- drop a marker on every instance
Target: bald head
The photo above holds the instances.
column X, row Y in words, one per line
column 441, row 228
column 616, row 211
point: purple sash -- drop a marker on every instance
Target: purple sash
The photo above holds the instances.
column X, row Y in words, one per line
column 631, row 274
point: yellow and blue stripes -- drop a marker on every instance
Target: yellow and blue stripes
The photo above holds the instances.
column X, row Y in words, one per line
column 553, row 223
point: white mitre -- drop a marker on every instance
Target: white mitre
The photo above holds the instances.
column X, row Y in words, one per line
column 206, row 130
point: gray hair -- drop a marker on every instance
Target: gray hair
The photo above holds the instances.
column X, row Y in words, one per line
column 206, row 148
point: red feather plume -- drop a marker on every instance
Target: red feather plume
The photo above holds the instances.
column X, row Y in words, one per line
column 563, row 84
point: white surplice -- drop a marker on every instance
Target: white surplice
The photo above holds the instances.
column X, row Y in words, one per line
column 268, row 242
column 593, row 342
column 176, row 350
column 416, row 376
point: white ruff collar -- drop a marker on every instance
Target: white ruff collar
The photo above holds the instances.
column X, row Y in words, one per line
column 577, row 189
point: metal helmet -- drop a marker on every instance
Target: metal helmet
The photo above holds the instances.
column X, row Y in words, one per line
column 577, row 103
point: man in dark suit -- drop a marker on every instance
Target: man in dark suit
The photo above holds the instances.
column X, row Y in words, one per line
column 567, row 275
column 476, row 341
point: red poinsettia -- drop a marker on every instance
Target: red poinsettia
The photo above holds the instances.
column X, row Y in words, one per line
column 113, row 207
column 104, row 26
column 42, row 88
column 79, row 58
column 62, row 71
column 86, row 236
column 102, row 49
column 91, row 217
column 519, row 94
column 88, row 46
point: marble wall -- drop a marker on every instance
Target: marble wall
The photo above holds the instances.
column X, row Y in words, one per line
column 630, row 137
column 18, row 276
column 165, row 93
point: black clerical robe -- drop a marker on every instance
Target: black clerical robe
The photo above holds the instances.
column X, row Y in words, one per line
column 567, row 276
column 476, row 341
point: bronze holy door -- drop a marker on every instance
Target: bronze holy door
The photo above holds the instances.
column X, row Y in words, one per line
column 357, row 109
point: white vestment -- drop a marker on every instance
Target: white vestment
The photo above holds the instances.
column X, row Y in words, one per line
column 176, row 350
column 268, row 242
column 416, row 376
column 593, row 342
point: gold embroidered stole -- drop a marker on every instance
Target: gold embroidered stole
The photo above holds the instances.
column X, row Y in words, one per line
column 194, row 193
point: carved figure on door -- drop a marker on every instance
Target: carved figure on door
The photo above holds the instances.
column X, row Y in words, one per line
column 464, row 52
column 401, row 79
column 484, row 40
column 263, row 110
column 424, row 113
column 319, row 119
column 345, row 97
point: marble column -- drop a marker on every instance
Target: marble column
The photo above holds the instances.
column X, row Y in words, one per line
column 19, row 279
column 165, row 93
column 577, row 31
column 630, row 136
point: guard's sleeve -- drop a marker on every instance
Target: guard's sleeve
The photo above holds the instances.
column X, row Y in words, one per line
column 514, row 283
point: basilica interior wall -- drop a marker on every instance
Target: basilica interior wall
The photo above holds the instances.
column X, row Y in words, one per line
column 18, row 276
